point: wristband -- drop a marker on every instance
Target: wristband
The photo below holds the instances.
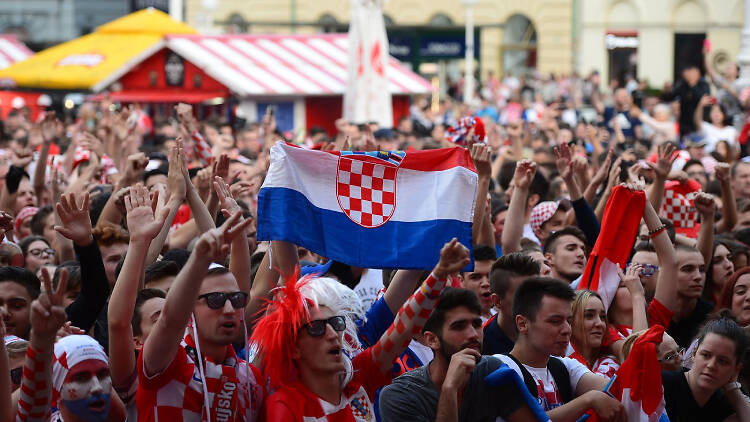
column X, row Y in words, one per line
column 655, row 232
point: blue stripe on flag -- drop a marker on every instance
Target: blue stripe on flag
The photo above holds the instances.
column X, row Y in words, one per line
column 286, row 214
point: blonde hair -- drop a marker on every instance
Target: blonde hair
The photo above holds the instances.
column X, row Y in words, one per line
column 579, row 307
column 629, row 343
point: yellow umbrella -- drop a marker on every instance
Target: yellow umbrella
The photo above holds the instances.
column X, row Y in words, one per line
column 92, row 62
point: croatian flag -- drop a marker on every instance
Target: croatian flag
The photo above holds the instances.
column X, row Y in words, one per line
column 638, row 384
column 373, row 210
column 622, row 216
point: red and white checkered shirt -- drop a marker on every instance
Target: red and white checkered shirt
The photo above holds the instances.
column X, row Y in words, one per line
column 176, row 394
column 294, row 402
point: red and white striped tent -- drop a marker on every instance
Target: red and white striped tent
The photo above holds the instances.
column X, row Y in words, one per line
column 273, row 65
column 12, row 50
column 302, row 76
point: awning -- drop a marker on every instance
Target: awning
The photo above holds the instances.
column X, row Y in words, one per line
column 288, row 65
column 161, row 96
column 94, row 61
column 12, row 50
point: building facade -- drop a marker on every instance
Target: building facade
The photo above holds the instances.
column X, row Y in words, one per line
column 654, row 40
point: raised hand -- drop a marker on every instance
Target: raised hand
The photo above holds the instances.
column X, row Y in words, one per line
column 47, row 311
column 631, row 278
column 50, row 127
column 524, row 174
column 601, row 174
column 76, row 223
column 665, row 157
column 68, row 330
column 176, row 182
column 214, row 244
column 453, row 257
column 563, row 159
column 136, row 165
column 240, row 188
column 705, row 204
column 614, row 174
column 143, row 225
column 226, row 200
column 482, row 156
column 21, row 157
column 721, row 171
column 221, row 167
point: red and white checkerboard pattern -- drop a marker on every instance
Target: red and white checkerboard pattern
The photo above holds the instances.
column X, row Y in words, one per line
column 679, row 209
column 366, row 191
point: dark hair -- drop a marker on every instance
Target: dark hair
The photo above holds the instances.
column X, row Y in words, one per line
column 509, row 266
column 505, row 175
column 549, row 245
column 708, row 286
column 178, row 256
column 37, row 221
column 727, row 292
column 528, row 297
column 484, row 253
column 692, row 162
column 160, row 269
column 451, row 298
column 733, row 171
column 724, row 324
column 540, row 186
column 28, row 240
column 24, row 277
column 74, row 275
column 726, row 121
column 143, row 296
column 161, row 170
column 97, row 206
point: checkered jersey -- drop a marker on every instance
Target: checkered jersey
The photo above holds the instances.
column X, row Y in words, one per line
column 294, row 402
column 366, row 191
column 679, row 209
column 176, row 394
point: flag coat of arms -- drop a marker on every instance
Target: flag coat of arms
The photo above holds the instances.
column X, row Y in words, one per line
column 372, row 210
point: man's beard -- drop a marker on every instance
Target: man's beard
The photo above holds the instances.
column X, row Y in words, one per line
column 447, row 350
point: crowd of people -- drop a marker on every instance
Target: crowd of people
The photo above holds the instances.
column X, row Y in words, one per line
column 133, row 287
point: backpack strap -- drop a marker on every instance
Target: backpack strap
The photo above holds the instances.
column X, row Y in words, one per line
column 560, row 374
column 527, row 378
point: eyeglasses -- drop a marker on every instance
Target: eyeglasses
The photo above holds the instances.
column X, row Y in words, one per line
column 669, row 357
column 40, row 252
column 649, row 270
column 16, row 374
column 216, row 300
column 318, row 327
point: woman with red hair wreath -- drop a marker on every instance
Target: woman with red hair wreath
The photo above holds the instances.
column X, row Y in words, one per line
column 307, row 342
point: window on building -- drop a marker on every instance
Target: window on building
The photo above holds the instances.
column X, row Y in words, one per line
column 236, row 24
column 328, row 23
column 519, row 45
column 441, row 19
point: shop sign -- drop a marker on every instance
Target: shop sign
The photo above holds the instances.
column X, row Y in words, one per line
column 86, row 59
column 614, row 41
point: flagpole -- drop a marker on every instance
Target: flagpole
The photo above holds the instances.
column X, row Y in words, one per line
column 469, row 52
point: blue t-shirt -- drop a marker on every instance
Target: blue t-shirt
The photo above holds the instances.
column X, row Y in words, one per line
column 627, row 122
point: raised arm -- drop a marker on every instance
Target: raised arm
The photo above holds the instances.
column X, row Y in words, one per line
column 584, row 215
column 76, row 226
column 401, row 288
column 705, row 205
column 413, row 315
column 144, row 226
column 599, row 177
column 481, row 153
column 47, row 316
column 614, row 178
column 665, row 157
column 47, row 131
column 666, row 285
column 176, row 189
column 239, row 257
column 516, row 216
column 161, row 345
column 282, row 257
column 132, row 173
column 698, row 115
column 729, row 210
column 201, row 214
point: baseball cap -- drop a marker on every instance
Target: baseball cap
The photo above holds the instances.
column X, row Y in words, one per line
column 694, row 139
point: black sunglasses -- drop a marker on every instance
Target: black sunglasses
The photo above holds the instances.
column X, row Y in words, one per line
column 216, row 300
column 318, row 327
column 16, row 374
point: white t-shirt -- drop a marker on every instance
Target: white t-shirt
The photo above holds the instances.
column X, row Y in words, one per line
column 715, row 134
column 548, row 395
column 368, row 287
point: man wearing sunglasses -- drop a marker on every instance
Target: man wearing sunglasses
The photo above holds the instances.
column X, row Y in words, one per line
column 199, row 376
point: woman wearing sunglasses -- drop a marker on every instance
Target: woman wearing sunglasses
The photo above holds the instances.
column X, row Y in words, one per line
column 307, row 343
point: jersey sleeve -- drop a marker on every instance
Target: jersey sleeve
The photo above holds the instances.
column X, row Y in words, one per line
column 659, row 314
column 277, row 407
column 177, row 369
column 367, row 373
column 378, row 318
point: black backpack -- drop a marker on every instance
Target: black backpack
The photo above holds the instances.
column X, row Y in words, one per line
column 559, row 373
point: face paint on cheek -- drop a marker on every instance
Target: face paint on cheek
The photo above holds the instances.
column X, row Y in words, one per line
column 89, row 400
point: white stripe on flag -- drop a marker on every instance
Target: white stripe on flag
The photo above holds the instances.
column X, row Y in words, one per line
column 634, row 409
column 313, row 174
